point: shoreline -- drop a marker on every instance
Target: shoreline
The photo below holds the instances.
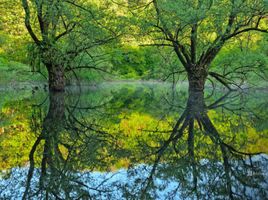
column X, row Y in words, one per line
column 42, row 85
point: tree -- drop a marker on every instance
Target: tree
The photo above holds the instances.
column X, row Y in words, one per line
column 63, row 34
column 198, row 30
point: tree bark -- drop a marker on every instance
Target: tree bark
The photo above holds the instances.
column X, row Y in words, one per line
column 56, row 78
column 197, row 77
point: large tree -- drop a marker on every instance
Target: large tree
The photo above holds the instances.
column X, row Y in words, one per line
column 197, row 30
column 66, row 34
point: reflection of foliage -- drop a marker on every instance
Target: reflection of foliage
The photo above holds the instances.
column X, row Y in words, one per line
column 184, row 143
column 134, row 111
column 106, row 130
column 16, row 137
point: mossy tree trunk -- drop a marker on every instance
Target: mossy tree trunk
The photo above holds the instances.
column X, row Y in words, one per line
column 197, row 76
column 49, row 53
column 56, row 78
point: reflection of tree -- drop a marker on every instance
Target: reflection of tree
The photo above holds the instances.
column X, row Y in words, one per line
column 52, row 126
column 66, row 139
column 79, row 140
column 226, row 180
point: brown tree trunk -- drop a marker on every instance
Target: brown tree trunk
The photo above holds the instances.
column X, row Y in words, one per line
column 197, row 78
column 56, row 78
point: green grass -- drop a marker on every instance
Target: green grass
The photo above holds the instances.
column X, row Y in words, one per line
column 13, row 73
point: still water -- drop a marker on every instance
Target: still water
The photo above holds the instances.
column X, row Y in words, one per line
column 133, row 141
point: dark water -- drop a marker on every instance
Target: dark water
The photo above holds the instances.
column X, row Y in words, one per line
column 133, row 141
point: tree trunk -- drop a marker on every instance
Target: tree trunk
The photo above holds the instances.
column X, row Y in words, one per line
column 196, row 102
column 197, row 78
column 56, row 78
column 56, row 112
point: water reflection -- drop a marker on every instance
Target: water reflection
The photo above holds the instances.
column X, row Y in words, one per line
column 227, row 172
column 131, row 144
column 69, row 143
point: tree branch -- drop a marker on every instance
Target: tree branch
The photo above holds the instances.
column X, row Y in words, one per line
column 244, row 31
column 193, row 42
column 220, row 78
column 28, row 23
column 67, row 31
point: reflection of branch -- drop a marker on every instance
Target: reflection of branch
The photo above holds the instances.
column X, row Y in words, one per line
column 88, row 127
column 89, row 107
column 197, row 111
column 216, row 103
column 191, row 153
column 150, row 178
column 233, row 150
column 215, row 137
column 31, row 168
column 174, row 136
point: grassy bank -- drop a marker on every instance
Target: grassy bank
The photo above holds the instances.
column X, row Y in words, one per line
column 19, row 76
column 14, row 74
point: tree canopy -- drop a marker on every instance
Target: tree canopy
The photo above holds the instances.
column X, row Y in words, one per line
column 139, row 39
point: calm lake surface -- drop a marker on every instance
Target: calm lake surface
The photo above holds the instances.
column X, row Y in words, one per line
column 133, row 141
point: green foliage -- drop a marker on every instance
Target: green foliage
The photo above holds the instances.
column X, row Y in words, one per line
column 129, row 62
column 132, row 62
column 13, row 34
column 244, row 63
column 121, row 33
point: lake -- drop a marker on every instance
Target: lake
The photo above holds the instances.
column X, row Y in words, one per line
column 136, row 140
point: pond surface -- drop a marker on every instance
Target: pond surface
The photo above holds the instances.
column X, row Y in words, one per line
column 133, row 141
